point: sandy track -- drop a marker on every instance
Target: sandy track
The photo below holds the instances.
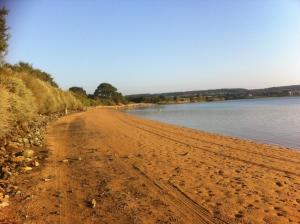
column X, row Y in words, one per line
column 141, row 171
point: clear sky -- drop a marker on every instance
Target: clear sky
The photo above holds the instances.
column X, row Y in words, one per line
column 148, row 46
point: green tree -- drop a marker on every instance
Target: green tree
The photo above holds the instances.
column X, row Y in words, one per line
column 105, row 91
column 78, row 90
column 109, row 94
column 3, row 34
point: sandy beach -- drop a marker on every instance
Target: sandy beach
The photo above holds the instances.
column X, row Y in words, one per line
column 105, row 166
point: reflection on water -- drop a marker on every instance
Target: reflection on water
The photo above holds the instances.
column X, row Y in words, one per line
column 268, row 120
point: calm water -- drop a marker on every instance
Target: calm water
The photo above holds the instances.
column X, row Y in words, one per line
column 269, row 120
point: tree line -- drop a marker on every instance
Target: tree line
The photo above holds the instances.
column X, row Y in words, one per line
column 104, row 94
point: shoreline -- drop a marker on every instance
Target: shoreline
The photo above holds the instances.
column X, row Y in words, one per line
column 221, row 135
column 160, row 172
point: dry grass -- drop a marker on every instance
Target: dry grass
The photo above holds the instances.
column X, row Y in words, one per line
column 23, row 96
column 48, row 98
column 22, row 103
column 4, row 111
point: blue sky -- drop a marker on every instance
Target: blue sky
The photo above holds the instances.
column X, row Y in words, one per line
column 159, row 45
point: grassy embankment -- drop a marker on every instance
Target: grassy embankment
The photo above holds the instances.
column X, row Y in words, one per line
column 23, row 96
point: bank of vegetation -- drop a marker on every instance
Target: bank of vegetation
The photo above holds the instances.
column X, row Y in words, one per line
column 26, row 93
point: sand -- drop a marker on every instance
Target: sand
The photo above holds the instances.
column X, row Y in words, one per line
column 142, row 171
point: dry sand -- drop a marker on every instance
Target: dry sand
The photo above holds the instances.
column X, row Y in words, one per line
column 123, row 169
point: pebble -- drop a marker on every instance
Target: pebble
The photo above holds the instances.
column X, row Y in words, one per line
column 93, row 203
column 36, row 163
column 4, row 200
column 4, row 204
column 28, row 153
column 18, row 159
column 27, row 168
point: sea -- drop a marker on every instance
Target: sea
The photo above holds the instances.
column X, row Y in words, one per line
column 273, row 121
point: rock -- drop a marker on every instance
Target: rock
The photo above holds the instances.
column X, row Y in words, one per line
column 37, row 133
column 4, row 200
column 27, row 168
column 28, row 153
column 183, row 154
column 36, row 163
column 4, row 204
column 20, row 140
column 5, row 173
column 93, row 203
column 18, row 159
column 25, row 140
column 47, row 179
column 27, row 160
column 65, row 160
column 13, row 146
column 79, row 158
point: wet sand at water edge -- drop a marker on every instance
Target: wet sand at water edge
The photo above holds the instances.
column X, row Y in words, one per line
column 142, row 171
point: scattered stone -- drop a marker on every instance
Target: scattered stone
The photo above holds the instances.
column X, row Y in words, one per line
column 47, row 179
column 65, row 160
column 27, row 160
column 184, row 154
column 25, row 140
column 93, row 203
column 4, row 204
column 18, row 159
column 36, row 163
column 27, row 168
column 20, row 140
column 54, row 213
column 4, row 200
column 5, row 173
column 28, row 153
column 13, row 146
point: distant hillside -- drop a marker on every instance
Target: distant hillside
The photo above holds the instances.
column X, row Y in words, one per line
column 222, row 91
column 219, row 94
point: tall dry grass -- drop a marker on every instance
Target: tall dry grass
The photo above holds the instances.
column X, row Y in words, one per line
column 22, row 103
column 4, row 111
column 48, row 98
column 22, row 97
